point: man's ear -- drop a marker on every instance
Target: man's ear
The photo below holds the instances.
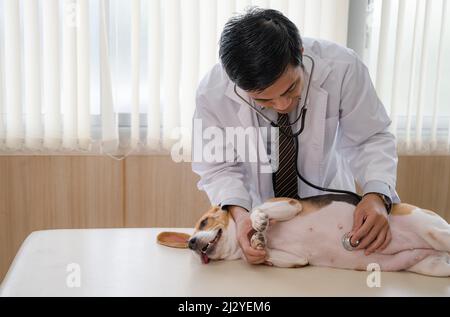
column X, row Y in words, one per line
column 173, row 239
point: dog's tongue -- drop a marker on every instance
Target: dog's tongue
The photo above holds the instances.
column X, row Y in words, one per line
column 205, row 258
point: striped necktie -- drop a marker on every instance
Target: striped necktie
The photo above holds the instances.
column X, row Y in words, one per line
column 285, row 178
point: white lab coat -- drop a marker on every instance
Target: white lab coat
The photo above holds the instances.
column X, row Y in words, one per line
column 346, row 137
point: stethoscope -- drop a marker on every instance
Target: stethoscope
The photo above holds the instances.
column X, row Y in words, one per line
column 346, row 238
column 301, row 116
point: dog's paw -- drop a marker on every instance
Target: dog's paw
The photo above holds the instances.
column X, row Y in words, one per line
column 260, row 220
column 258, row 240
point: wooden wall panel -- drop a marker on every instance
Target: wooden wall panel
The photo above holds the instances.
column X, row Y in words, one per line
column 425, row 181
column 51, row 192
column 161, row 193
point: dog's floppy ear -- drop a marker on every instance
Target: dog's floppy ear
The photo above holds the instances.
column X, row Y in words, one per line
column 173, row 239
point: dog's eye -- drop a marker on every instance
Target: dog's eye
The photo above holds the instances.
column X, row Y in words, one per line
column 203, row 223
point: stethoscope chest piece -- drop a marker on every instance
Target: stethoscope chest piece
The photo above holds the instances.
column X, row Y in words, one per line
column 346, row 242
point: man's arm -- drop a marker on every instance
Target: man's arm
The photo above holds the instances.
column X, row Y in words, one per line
column 370, row 149
column 223, row 182
column 364, row 137
column 244, row 231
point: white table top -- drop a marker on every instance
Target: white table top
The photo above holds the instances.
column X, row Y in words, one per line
column 129, row 262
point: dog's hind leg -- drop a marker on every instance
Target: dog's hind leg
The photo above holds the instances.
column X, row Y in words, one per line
column 283, row 259
column 433, row 265
column 438, row 238
column 433, row 229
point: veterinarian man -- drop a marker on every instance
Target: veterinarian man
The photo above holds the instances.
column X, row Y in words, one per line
column 345, row 136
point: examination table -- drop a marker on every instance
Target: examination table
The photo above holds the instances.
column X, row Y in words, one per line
column 129, row 262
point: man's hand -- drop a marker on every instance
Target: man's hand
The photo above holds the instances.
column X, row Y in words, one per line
column 370, row 225
column 244, row 231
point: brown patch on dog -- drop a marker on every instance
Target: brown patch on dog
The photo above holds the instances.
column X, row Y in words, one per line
column 213, row 218
column 290, row 200
column 325, row 200
column 402, row 209
column 308, row 207
column 311, row 229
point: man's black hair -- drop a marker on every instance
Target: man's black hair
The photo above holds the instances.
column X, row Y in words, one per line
column 257, row 47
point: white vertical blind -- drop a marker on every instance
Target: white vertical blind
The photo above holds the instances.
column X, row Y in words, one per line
column 241, row 5
column 83, row 78
column 312, row 19
column 165, row 47
column 32, row 72
column 109, row 124
column 439, row 79
column 2, row 102
column 13, row 100
column 383, row 69
column 412, row 93
column 208, row 35
column 331, row 17
column 423, row 75
column 296, row 14
column 397, row 63
column 190, row 62
column 69, row 63
column 51, row 70
column 280, row 5
column 135, row 66
column 154, row 75
column 412, row 74
column 171, row 66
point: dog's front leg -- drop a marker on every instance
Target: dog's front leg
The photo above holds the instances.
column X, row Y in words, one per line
column 278, row 209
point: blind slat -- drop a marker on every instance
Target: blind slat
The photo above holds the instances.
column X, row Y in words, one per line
column 190, row 67
column 439, row 75
column 69, row 60
column 135, row 66
column 13, row 100
column 83, row 78
column 32, row 71
column 51, row 69
column 423, row 75
column 296, row 14
column 154, row 71
column 208, row 35
column 397, row 64
column 412, row 93
column 108, row 117
column 171, row 64
column 333, row 20
column 313, row 18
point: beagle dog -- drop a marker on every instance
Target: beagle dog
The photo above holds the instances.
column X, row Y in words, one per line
column 313, row 231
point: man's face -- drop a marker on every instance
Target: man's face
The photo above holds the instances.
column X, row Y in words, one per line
column 284, row 94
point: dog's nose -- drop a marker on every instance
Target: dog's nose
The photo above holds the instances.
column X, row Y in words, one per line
column 192, row 243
